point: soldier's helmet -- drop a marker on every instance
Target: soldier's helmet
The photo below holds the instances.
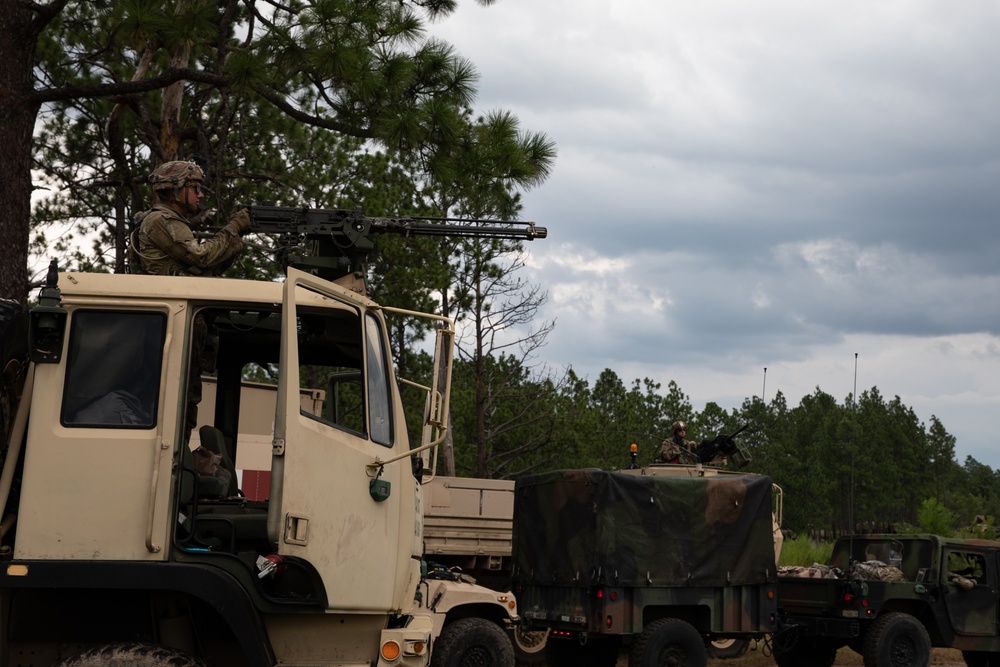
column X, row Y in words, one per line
column 679, row 426
column 175, row 174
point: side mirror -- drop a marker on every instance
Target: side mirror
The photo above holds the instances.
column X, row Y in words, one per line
column 47, row 322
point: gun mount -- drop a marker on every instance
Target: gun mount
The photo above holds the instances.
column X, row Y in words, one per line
column 724, row 445
column 335, row 243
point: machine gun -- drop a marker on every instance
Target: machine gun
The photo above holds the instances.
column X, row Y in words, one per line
column 726, row 446
column 334, row 243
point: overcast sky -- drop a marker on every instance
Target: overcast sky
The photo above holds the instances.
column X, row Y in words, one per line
column 774, row 184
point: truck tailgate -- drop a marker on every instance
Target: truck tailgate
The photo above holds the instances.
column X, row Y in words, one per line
column 800, row 595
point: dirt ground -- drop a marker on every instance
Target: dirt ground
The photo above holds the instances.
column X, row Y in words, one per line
column 758, row 656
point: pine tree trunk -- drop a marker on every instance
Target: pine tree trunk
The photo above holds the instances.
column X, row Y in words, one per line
column 18, row 111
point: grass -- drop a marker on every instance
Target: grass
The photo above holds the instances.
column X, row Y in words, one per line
column 805, row 551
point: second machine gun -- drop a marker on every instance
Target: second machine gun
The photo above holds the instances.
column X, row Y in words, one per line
column 334, row 243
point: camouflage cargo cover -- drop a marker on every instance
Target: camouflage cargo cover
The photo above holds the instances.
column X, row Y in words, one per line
column 576, row 527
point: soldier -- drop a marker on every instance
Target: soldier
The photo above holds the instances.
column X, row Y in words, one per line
column 164, row 245
column 678, row 449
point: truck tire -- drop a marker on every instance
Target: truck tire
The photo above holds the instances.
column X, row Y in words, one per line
column 529, row 645
column 472, row 642
column 803, row 652
column 668, row 642
column 132, row 654
column 727, row 649
column 897, row 640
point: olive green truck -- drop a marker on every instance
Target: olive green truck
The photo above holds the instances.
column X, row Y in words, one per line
column 652, row 565
column 891, row 598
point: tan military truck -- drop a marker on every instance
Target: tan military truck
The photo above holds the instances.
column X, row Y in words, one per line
column 468, row 528
column 120, row 544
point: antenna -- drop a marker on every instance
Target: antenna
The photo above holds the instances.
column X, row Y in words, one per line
column 854, row 396
column 763, row 389
column 854, row 419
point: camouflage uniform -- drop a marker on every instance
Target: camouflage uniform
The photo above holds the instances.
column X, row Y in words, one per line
column 166, row 246
column 677, row 449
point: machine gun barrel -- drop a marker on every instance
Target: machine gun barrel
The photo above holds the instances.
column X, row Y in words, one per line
column 739, row 430
column 269, row 219
column 494, row 229
column 335, row 242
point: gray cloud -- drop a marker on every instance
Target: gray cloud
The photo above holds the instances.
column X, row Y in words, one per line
column 776, row 184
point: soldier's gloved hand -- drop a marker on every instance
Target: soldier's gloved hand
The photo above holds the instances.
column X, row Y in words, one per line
column 241, row 220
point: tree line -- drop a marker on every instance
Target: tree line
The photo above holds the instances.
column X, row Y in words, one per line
column 868, row 464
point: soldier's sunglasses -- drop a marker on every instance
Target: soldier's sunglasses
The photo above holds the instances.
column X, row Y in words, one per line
column 196, row 188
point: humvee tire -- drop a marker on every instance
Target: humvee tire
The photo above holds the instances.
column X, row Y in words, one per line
column 727, row 649
column 668, row 642
column 473, row 642
column 135, row 654
column 897, row 640
column 529, row 645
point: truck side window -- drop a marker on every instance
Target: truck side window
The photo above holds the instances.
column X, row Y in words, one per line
column 379, row 414
column 113, row 369
column 342, row 353
column 331, row 359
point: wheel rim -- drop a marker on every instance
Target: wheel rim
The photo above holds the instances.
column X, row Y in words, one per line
column 672, row 656
column 530, row 641
column 903, row 652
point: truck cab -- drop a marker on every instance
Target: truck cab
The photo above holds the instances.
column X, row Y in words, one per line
column 119, row 528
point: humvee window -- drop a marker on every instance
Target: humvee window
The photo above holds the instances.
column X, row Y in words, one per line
column 113, row 369
column 967, row 565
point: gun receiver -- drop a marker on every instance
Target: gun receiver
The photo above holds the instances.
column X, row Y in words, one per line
column 725, row 445
column 334, row 243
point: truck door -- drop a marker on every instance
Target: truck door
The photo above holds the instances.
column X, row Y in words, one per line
column 970, row 586
column 96, row 471
column 322, row 509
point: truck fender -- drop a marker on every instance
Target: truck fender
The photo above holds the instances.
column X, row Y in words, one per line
column 447, row 600
column 210, row 584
